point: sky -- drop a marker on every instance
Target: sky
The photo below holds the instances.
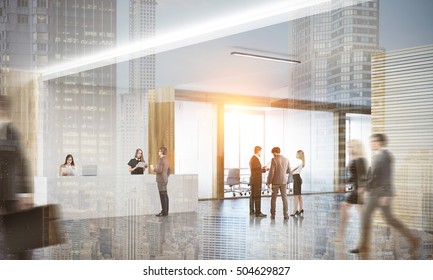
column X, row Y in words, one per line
column 405, row 23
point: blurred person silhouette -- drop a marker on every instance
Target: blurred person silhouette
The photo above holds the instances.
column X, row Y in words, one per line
column 16, row 189
column 68, row 168
column 163, row 171
column 277, row 177
column 357, row 176
column 137, row 165
column 256, row 183
column 380, row 187
column 297, row 183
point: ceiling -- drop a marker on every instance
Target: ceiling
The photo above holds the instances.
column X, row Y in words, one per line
column 209, row 67
column 194, row 39
column 261, row 27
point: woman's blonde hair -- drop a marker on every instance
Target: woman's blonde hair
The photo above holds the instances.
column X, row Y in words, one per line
column 356, row 148
column 301, row 156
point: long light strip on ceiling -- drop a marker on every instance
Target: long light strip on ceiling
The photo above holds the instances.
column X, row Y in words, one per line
column 265, row 57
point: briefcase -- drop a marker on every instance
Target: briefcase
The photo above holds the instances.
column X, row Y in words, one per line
column 33, row 228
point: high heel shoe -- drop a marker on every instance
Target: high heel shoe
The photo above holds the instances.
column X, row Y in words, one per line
column 301, row 212
column 295, row 214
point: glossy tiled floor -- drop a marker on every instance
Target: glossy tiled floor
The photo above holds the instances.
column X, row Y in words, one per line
column 224, row 230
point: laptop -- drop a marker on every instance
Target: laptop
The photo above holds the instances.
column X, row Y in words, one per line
column 90, row 170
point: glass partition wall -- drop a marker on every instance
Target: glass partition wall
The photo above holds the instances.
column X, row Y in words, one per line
column 245, row 127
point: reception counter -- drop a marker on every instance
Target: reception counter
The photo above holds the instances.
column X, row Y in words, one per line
column 87, row 197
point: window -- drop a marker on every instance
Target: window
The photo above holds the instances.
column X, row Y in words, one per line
column 23, row 19
column 41, row 58
column 42, row 47
column 42, row 3
column 42, row 36
column 42, row 19
column 23, row 3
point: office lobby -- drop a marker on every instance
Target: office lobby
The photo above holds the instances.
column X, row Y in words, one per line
column 210, row 80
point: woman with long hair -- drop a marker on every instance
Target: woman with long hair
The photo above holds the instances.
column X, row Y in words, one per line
column 137, row 165
column 297, row 183
column 68, row 168
column 357, row 175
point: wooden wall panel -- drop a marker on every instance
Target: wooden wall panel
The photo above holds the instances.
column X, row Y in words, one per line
column 161, row 124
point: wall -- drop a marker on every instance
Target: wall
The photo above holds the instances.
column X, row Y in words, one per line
column 194, row 142
column 402, row 101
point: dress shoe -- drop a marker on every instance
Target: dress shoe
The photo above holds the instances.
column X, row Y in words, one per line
column 261, row 215
column 295, row 214
column 360, row 250
column 252, row 213
column 161, row 215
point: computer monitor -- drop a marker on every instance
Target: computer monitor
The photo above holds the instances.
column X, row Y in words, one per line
column 90, row 170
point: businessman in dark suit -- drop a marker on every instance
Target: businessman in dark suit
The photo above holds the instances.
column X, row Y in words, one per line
column 380, row 185
column 277, row 177
column 16, row 189
column 162, row 171
column 256, row 183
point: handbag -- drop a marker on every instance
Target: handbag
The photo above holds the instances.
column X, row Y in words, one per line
column 32, row 228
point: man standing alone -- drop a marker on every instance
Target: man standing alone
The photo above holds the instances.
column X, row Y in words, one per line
column 277, row 177
column 256, row 183
column 162, row 171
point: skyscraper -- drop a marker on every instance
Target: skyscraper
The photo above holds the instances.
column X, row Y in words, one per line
column 133, row 108
column 81, row 111
column 23, row 49
column 77, row 112
column 335, row 49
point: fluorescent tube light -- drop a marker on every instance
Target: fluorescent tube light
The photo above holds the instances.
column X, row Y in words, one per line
column 265, row 57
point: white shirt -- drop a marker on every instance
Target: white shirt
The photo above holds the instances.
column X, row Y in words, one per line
column 297, row 168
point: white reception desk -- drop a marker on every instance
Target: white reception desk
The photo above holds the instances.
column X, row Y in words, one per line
column 87, row 197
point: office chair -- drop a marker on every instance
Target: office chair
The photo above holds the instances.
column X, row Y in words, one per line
column 233, row 179
column 245, row 187
column 265, row 189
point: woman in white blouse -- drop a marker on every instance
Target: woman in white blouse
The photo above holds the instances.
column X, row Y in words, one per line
column 297, row 182
column 68, row 168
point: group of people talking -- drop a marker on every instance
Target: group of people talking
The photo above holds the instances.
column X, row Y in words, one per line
column 277, row 179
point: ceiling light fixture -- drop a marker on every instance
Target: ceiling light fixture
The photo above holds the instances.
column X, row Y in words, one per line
column 265, row 57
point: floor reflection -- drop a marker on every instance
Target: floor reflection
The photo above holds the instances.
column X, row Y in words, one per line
column 224, row 230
